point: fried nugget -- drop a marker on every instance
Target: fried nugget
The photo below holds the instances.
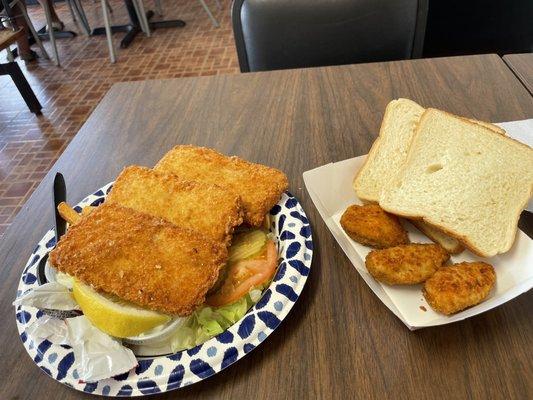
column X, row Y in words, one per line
column 454, row 288
column 139, row 258
column 209, row 209
column 259, row 186
column 372, row 226
column 407, row 264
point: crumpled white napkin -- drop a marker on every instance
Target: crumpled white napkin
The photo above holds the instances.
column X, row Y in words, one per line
column 51, row 295
column 97, row 355
column 53, row 329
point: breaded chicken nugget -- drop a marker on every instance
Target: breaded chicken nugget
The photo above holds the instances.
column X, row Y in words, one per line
column 459, row 286
column 372, row 226
column 407, row 264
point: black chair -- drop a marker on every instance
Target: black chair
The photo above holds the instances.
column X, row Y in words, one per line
column 7, row 38
column 280, row 34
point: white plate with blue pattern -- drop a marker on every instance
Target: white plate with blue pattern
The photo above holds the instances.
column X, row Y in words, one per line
column 163, row 373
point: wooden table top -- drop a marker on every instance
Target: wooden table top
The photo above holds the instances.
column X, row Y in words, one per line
column 339, row 341
column 522, row 66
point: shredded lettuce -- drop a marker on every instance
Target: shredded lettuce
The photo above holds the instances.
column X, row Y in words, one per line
column 207, row 322
column 255, row 295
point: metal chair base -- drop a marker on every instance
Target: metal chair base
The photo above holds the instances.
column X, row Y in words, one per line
column 57, row 34
column 12, row 69
column 133, row 30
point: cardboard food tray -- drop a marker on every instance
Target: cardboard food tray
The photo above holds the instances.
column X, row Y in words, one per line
column 330, row 188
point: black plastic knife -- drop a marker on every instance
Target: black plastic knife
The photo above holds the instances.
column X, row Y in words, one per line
column 60, row 195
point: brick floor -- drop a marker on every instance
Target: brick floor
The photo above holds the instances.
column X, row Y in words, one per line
column 29, row 145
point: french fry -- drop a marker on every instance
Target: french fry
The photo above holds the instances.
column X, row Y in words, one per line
column 68, row 213
column 87, row 210
column 266, row 222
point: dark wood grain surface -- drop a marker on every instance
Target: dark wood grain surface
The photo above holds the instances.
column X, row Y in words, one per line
column 339, row 341
column 522, row 66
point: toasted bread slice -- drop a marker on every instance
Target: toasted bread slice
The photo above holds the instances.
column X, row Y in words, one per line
column 465, row 179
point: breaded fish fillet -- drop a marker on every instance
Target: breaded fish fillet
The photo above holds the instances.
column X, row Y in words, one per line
column 407, row 264
column 452, row 289
column 209, row 209
column 372, row 226
column 139, row 258
column 259, row 186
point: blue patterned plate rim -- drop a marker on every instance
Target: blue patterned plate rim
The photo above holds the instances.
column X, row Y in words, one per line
column 163, row 373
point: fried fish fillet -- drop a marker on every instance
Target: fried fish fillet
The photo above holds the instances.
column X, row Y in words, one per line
column 259, row 186
column 454, row 288
column 372, row 226
column 139, row 258
column 407, row 264
column 209, row 209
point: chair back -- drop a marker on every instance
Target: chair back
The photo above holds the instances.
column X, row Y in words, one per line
column 280, row 34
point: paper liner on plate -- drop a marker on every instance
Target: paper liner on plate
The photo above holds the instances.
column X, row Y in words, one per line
column 330, row 188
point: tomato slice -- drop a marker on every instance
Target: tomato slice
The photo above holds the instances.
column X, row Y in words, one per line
column 244, row 275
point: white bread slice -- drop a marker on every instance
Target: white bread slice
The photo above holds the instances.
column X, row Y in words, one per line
column 389, row 151
column 492, row 127
column 450, row 244
column 464, row 178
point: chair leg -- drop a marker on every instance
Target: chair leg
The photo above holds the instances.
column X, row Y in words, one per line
column 9, row 55
column 141, row 15
column 158, row 8
column 51, row 31
column 72, row 13
column 34, row 33
column 12, row 69
column 208, row 11
column 107, row 24
column 138, row 14
column 78, row 9
column 83, row 17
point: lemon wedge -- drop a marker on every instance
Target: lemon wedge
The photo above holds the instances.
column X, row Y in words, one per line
column 114, row 317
